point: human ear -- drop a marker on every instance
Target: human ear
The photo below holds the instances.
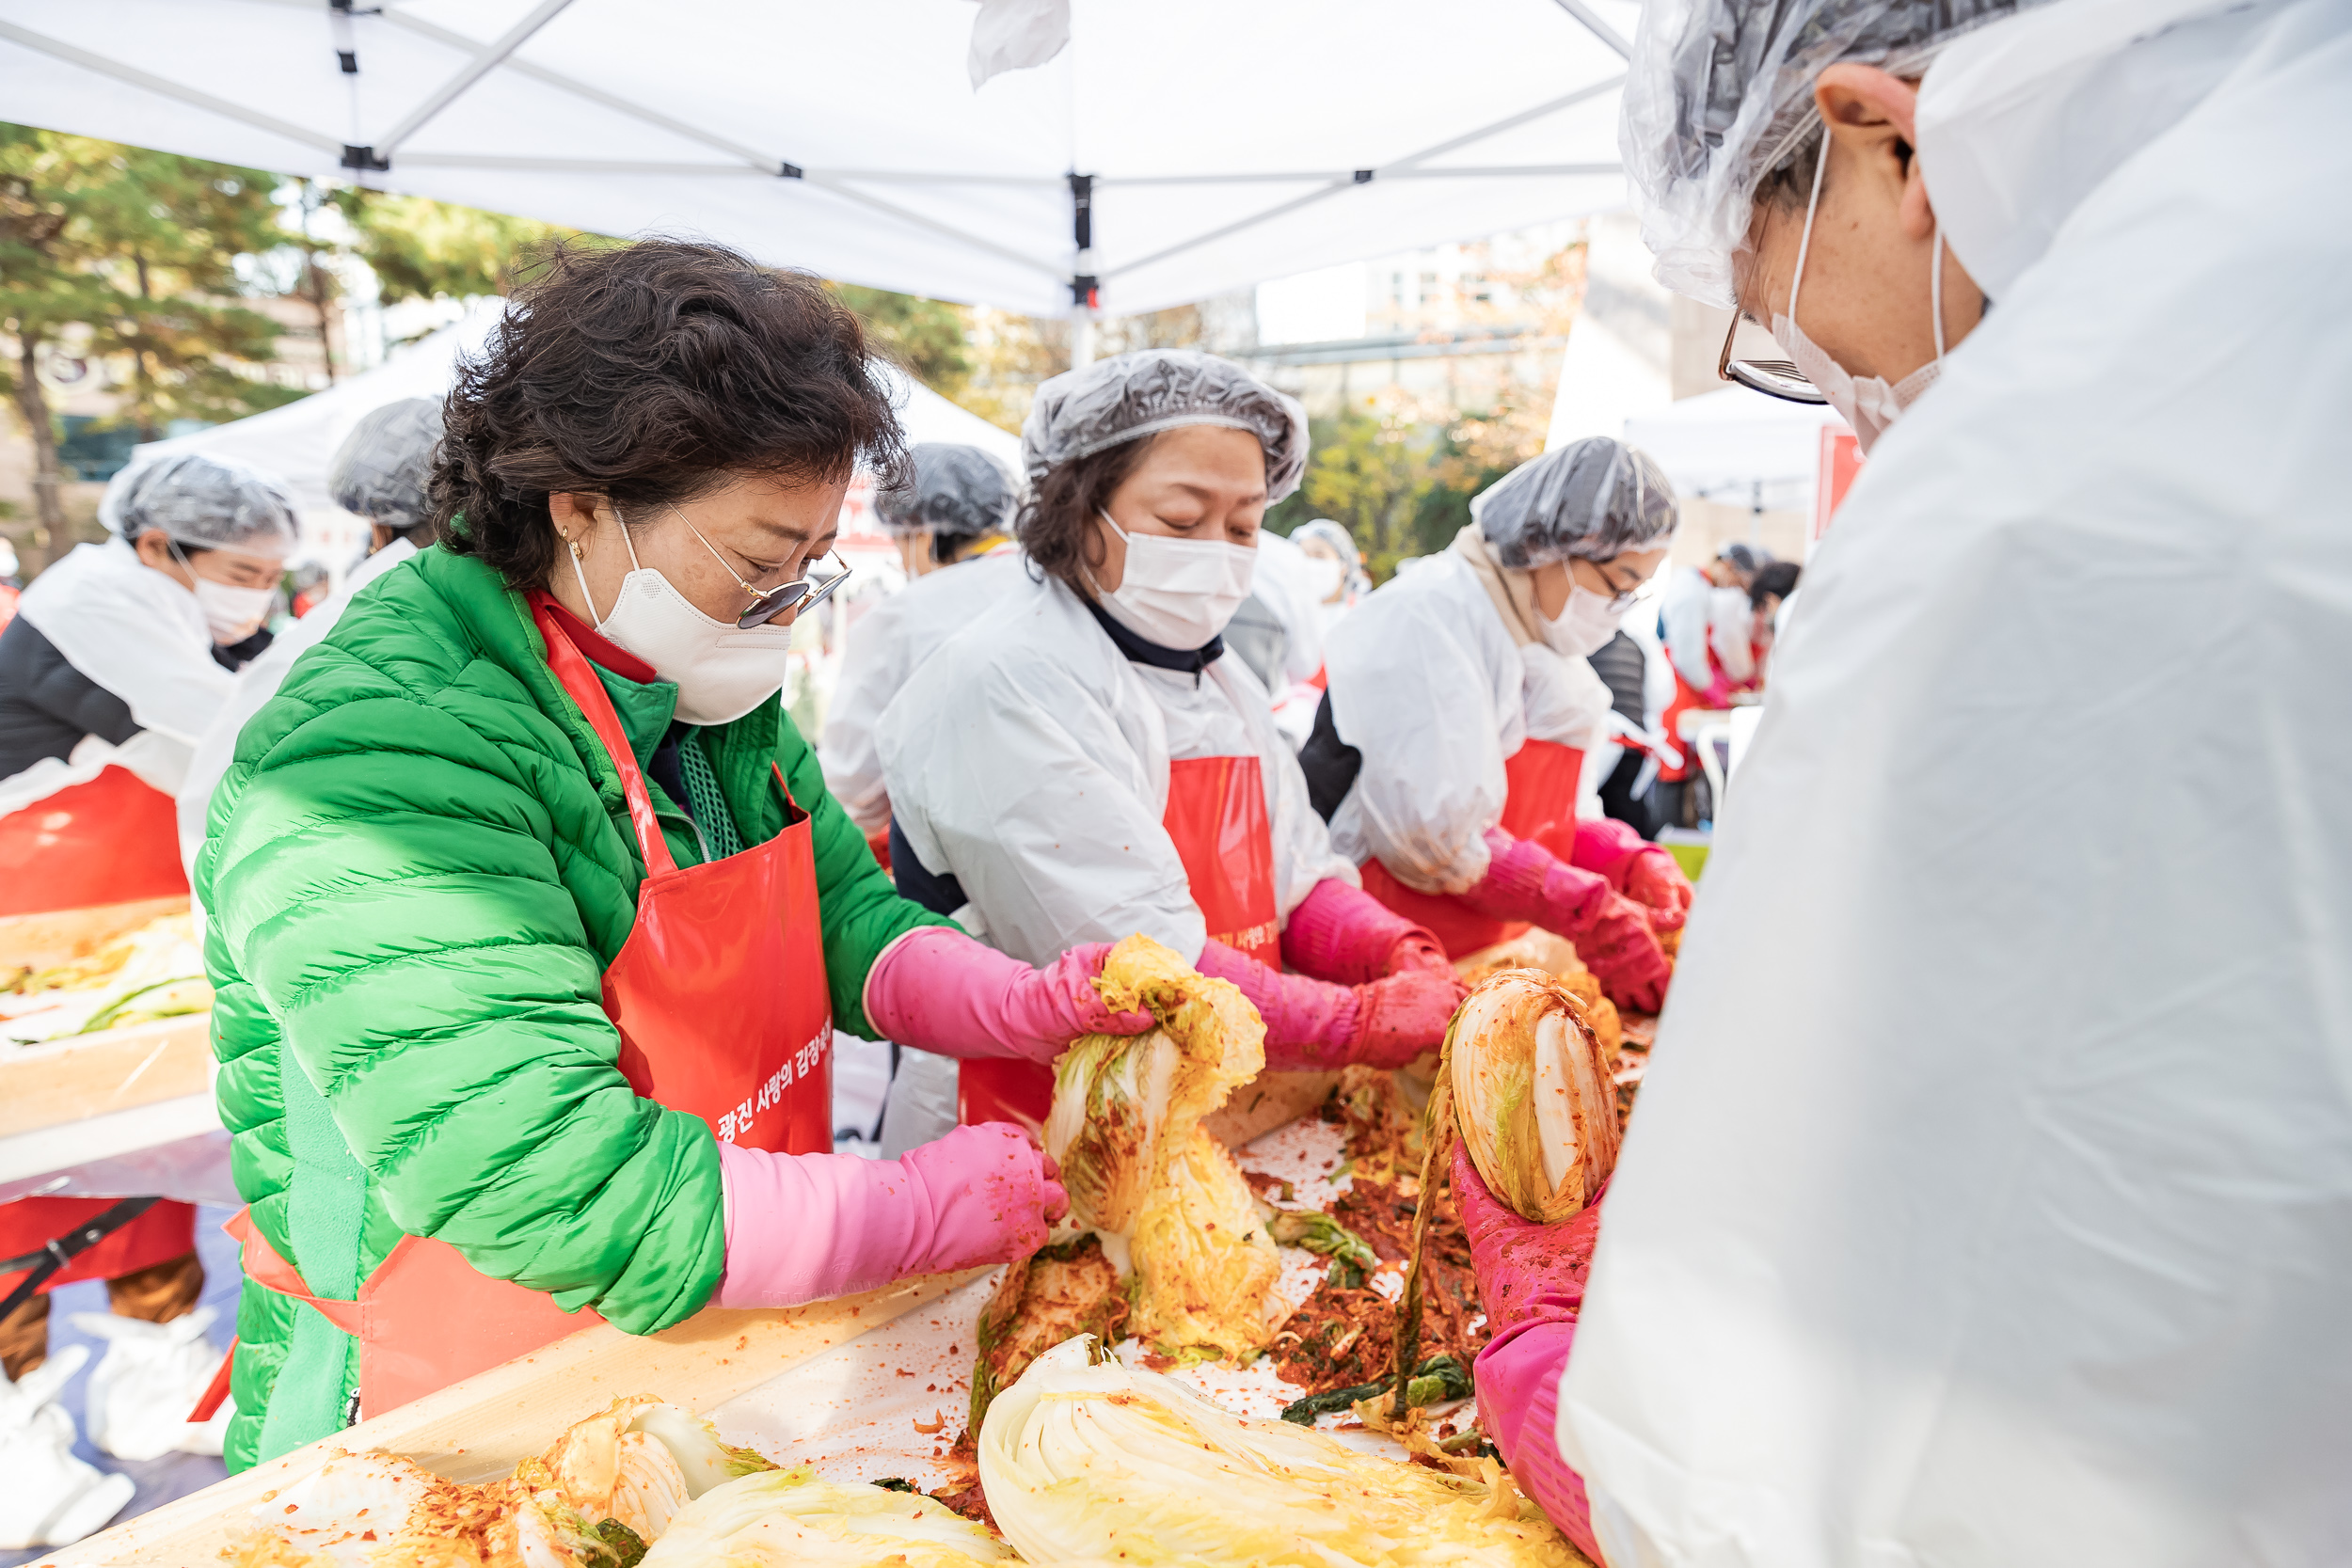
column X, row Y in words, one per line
column 1875, row 114
column 573, row 515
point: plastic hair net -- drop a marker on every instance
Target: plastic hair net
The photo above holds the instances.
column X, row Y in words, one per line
column 1130, row 396
column 1331, row 533
column 958, row 492
column 1593, row 498
column 214, row 502
column 1720, row 93
column 380, row 469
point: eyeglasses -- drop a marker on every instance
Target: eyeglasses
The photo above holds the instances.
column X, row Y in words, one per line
column 1618, row 598
column 766, row 604
column 1774, row 378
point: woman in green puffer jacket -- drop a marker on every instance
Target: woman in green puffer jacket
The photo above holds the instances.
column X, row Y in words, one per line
column 428, row 876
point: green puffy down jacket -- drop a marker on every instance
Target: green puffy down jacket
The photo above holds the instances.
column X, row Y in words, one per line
column 417, row 868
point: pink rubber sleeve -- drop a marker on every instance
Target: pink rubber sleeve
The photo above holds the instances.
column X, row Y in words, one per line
column 938, row 989
column 804, row 1227
column 1313, row 1025
column 1526, row 882
column 1343, row 933
column 1308, row 1023
column 1518, row 1399
column 1608, row 847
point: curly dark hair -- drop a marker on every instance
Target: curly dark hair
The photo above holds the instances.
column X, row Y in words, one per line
column 1056, row 526
column 650, row 373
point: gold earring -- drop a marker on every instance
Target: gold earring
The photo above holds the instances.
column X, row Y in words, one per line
column 578, row 554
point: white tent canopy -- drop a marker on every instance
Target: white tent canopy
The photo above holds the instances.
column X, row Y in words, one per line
column 1200, row 147
column 1738, row 447
column 297, row 442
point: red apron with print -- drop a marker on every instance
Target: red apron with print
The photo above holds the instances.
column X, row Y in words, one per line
column 724, row 1010
column 1540, row 805
column 1217, row 817
column 114, row 839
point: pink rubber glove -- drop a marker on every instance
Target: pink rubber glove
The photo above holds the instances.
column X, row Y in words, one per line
column 1343, row 933
column 1635, row 868
column 937, row 989
column 805, row 1226
column 1620, row 947
column 1526, row 882
column 1313, row 1025
column 1531, row 1279
column 1655, row 881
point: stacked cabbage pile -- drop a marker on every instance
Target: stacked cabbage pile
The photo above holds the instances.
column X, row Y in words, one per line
column 640, row 1473
column 1145, row 1176
column 1086, row 1460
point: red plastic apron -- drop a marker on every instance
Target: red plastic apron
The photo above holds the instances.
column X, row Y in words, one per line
column 1540, row 805
column 1217, row 817
column 113, row 839
column 723, row 1006
column 28, row 1223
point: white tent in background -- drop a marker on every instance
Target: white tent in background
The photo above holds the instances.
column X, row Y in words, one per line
column 1618, row 364
column 297, row 442
column 1161, row 155
column 1739, row 447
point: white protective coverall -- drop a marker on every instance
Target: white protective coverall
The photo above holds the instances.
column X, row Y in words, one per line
column 1699, row 618
column 887, row 645
column 1426, row 682
column 135, row 632
column 1991, row 1197
column 254, row 686
column 1029, row 759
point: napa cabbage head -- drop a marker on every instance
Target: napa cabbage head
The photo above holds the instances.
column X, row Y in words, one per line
column 1085, row 1459
column 1533, row 1094
column 791, row 1516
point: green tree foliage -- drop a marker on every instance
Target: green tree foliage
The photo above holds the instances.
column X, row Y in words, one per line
column 132, row 256
column 926, row 336
column 424, row 249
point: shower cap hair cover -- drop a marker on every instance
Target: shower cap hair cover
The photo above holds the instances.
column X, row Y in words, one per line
column 1130, row 396
column 1720, row 93
column 957, row 492
column 212, row 502
column 380, row 469
column 1331, row 533
column 1593, row 498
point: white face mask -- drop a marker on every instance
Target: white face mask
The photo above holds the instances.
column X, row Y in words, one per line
column 1587, row 623
column 722, row 671
column 231, row 614
column 1870, row 404
column 1179, row 593
column 1324, row 577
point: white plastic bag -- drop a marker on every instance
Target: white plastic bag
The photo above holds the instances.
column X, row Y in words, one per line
column 51, row 1499
column 151, row 1378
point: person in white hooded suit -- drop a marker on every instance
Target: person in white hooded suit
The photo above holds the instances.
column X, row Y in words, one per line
column 1989, row 1200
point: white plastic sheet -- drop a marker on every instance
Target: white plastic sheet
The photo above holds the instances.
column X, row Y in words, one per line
column 1991, row 1197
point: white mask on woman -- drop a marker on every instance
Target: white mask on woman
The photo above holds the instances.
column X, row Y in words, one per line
column 1870, row 404
column 1587, row 624
column 1179, row 593
column 722, row 671
column 231, row 613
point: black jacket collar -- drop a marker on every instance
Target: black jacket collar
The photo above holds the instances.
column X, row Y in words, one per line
column 1141, row 650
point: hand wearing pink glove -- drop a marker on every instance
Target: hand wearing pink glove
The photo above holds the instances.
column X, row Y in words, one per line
column 1343, row 933
column 1315, row 1026
column 939, row 989
column 802, row 1227
column 1635, row 868
column 1531, row 1280
column 1526, row 882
